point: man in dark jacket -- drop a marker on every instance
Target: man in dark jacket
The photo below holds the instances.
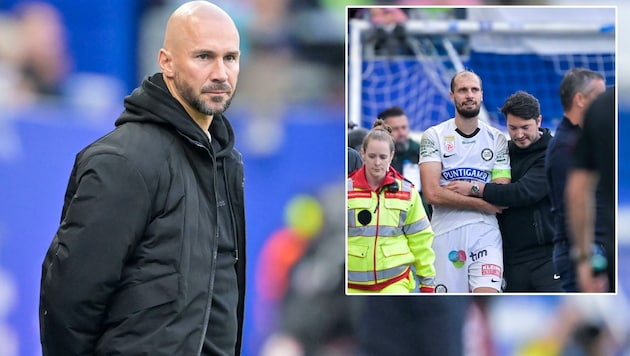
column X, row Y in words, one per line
column 594, row 169
column 579, row 87
column 526, row 225
column 149, row 255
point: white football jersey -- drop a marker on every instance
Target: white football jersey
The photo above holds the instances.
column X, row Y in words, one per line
column 481, row 156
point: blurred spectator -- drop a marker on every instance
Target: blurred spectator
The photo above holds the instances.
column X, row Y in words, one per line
column 44, row 62
column 316, row 317
column 388, row 35
column 354, row 160
column 395, row 325
column 34, row 59
column 9, row 58
column 356, row 136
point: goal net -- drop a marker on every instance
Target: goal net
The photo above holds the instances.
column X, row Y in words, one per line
column 509, row 54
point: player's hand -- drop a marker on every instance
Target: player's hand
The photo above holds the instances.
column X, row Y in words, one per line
column 587, row 281
column 459, row 186
column 490, row 208
column 427, row 284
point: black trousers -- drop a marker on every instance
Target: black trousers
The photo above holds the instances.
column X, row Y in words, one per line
column 537, row 275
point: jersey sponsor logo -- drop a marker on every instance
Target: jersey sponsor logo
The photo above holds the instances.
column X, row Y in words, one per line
column 458, row 258
column 487, row 154
column 447, row 156
column 556, row 276
column 466, row 173
column 481, row 254
column 398, row 195
column 449, row 143
column 491, row 269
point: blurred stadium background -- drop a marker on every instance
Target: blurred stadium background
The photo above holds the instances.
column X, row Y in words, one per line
column 64, row 70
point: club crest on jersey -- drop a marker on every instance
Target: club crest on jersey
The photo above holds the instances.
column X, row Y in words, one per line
column 449, row 143
column 487, row 154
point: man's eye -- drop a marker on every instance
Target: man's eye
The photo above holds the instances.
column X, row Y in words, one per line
column 202, row 56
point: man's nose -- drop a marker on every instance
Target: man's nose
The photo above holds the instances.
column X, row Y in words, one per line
column 219, row 71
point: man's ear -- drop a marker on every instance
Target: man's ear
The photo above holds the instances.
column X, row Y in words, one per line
column 165, row 61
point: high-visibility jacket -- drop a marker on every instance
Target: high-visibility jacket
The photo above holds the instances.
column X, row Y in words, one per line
column 388, row 232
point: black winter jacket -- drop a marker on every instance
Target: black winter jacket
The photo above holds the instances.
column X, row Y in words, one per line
column 526, row 226
column 131, row 268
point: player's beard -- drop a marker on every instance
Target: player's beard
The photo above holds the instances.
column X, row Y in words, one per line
column 195, row 101
column 468, row 114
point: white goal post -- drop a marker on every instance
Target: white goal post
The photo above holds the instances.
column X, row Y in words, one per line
column 443, row 29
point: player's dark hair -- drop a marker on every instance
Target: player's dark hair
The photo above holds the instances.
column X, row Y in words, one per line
column 577, row 80
column 521, row 104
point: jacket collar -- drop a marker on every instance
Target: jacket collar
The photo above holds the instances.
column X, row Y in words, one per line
column 360, row 180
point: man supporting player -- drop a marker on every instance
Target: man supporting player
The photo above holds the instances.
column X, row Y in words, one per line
column 467, row 244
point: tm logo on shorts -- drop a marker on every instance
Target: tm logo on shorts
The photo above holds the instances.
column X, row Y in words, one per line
column 458, row 258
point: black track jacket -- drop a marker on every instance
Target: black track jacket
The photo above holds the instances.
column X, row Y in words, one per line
column 131, row 268
column 526, row 226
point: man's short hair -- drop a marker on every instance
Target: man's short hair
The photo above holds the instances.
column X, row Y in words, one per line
column 390, row 112
column 521, row 104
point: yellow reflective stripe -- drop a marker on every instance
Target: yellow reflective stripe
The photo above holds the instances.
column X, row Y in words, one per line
column 368, row 276
column 417, row 226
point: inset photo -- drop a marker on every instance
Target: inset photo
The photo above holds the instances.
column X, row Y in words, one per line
column 480, row 159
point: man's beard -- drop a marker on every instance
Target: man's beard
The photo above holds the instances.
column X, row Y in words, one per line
column 189, row 97
column 468, row 114
column 401, row 147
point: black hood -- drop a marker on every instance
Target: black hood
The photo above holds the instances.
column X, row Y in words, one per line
column 540, row 145
column 152, row 103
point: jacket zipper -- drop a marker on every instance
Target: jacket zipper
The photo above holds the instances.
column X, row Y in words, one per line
column 206, row 317
column 378, row 213
column 232, row 214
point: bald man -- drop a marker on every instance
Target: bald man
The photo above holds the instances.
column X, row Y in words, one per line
column 149, row 256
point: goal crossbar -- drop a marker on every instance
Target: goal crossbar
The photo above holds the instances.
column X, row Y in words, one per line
column 447, row 27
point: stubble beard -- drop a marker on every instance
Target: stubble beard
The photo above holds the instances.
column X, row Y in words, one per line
column 195, row 101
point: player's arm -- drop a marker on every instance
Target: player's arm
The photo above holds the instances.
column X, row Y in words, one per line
column 430, row 173
column 580, row 200
column 103, row 218
column 441, row 196
column 529, row 189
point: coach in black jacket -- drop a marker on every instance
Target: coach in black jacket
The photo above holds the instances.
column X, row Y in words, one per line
column 526, row 224
column 149, row 256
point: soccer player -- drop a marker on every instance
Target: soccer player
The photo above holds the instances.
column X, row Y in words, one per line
column 526, row 227
column 467, row 241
